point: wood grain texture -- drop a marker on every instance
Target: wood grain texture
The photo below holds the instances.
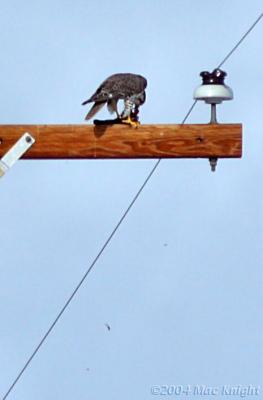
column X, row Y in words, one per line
column 120, row 141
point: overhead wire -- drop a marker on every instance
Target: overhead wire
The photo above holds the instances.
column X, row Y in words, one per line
column 240, row 41
column 115, row 229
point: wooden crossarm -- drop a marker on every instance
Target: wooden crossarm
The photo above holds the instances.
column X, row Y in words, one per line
column 121, row 141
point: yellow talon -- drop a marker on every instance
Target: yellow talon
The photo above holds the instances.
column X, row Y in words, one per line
column 130, row 122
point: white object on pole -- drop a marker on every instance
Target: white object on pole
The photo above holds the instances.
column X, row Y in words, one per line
column 213, row 94
column 16, row 152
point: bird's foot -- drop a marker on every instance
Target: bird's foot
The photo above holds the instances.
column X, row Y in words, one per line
column 130, row 121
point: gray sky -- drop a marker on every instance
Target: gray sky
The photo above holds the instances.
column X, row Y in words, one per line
column 180, row 284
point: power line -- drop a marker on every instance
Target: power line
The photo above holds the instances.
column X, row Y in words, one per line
column 240, row 41
column 90, row 267
column 113, row 232
column 83, row 278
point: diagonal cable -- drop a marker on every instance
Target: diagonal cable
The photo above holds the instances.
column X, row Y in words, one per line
column 91, row 266
column 108, row 240
column 240, row 41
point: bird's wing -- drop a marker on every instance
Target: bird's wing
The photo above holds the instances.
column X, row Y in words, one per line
column 94, row 109
column 128, row 84
column 103, row 93
column 118, row 86
column 98, row 96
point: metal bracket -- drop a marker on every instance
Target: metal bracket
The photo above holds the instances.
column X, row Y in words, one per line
column 16, row 152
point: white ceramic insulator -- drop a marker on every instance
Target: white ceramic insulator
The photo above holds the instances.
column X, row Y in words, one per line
column 213, row 94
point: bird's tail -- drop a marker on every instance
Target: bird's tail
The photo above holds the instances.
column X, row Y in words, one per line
column 94, row 109
column 85, row 102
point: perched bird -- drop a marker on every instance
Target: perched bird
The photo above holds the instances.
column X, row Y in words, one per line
column 129, row 87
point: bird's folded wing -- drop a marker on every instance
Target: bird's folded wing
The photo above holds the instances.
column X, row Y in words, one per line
column 94, row 109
